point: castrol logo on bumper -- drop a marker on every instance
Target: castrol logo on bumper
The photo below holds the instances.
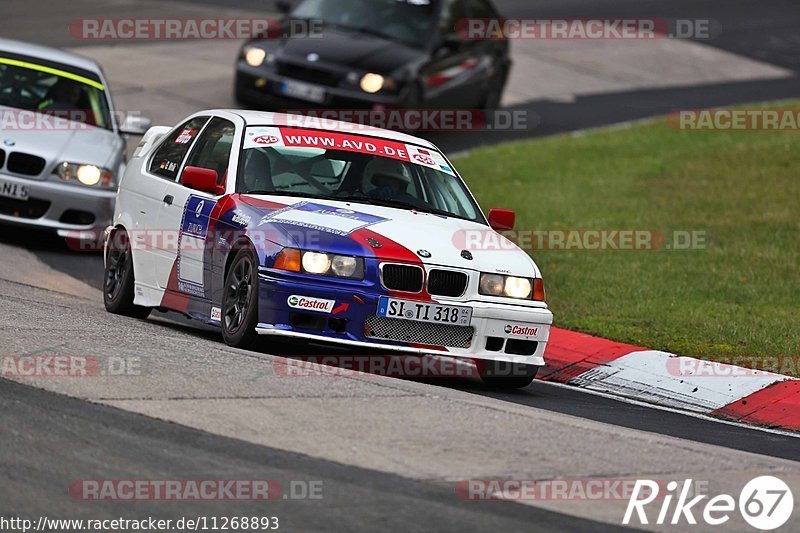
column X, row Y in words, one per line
column 310, row 304
column 521, row 330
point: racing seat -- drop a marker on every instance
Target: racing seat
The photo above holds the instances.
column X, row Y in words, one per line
column 258, row 171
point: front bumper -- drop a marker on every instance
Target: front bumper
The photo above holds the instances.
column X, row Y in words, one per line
column 65, row 208
column 499, row 332
column 260, row 87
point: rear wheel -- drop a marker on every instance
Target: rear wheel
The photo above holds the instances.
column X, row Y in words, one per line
column 240, row 301
column 118, row 280
column 504, row 375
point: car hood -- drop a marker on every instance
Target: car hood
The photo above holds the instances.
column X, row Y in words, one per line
column 350, row 49
column 92, row 145
column 387, row 233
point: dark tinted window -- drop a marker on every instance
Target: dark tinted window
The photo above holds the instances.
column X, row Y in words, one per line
column 213, row 148
column 168, row 157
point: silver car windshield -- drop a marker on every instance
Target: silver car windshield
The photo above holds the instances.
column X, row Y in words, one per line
column 48, row 89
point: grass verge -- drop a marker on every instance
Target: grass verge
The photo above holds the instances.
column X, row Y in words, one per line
column 736, row 299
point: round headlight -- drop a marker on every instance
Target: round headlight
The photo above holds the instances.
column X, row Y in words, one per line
column 255, row 57
column 518, row 287
column 371, row 83
column 316, row 263
column 344, row 266
column 88, row 174
column 492, row 284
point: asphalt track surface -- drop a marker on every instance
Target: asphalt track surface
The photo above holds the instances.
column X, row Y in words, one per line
column 36, row 427
column 49, row 439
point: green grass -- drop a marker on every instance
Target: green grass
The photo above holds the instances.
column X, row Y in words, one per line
column 738, row 297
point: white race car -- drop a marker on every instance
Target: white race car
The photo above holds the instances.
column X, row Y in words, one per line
column 338, row 234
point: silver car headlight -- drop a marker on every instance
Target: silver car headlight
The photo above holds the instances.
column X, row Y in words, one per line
column 88, row 175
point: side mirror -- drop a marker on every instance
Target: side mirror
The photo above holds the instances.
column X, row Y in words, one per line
column 135, row 125
column 502, row 219
column 201, row 179
column 283, row 6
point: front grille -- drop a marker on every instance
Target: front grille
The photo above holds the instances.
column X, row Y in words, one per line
column 31, row 208
column 393, row 329
column 406, row 278
column 309, row 74
column 2, row 158
column 27, row 164
column 447, row 283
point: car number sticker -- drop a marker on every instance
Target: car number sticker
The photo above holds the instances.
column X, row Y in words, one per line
column 191, row 246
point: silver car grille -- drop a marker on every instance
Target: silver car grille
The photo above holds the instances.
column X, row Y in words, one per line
column 393, row 329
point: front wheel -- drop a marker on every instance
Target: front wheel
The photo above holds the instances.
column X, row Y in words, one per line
column 240, row 301
column 507, row 376
column 118, row 279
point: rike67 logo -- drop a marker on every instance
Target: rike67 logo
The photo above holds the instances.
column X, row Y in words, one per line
column 765, row 503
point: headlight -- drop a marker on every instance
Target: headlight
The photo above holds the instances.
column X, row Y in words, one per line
column 344, row 266
column 316, row 263
column 518, row 287
column 320, row 263
column 507, row 286
column 89, row 175
column 372, row 83
column 254, row 56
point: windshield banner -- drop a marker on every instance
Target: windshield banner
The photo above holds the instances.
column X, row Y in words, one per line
column 274, row 137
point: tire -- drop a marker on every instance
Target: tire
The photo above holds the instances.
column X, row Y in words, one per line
column 507, row 376
column 118, row 279
column 240, row 301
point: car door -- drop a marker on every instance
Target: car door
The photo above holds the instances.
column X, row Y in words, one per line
column 188, row 211
column 157, row 174
column 454, row 70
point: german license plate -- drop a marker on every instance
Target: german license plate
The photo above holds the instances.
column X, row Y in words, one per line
column 303, row 91
column 9, row 189
column 424, row 311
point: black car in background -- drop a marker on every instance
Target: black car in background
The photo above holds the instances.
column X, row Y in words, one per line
column 376, row 54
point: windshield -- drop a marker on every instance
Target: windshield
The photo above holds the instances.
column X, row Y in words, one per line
column 49, row 89
column 411, row 22
column 353, row 168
